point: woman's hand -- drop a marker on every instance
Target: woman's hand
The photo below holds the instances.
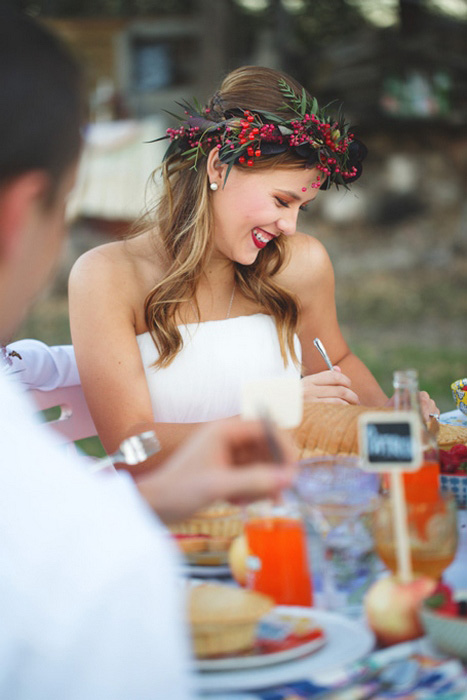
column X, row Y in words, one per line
column 226, row 460
column 329, row 386
column 427, row 405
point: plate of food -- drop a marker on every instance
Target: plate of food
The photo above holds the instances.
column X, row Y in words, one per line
column 452, row 442
column 453, row 418
column 242, row 640
column 205, row 538
column 280, row 636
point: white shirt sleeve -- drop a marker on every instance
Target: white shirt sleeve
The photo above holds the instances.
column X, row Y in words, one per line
column 45, row 367
column 90, row 602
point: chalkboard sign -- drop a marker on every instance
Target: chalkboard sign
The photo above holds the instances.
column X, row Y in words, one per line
column 390, row 441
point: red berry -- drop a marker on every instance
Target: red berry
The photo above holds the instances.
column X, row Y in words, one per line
column 459, row 451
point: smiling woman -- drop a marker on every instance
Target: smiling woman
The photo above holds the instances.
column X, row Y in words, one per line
column 217, row 287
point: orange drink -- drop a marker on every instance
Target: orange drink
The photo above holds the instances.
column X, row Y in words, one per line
column 422, row 486
column 278, row 561
column 428, row 564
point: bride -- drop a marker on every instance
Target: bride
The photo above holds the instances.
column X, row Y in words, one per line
column 218, row 287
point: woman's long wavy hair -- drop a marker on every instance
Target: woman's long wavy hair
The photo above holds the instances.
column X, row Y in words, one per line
column 184, row 223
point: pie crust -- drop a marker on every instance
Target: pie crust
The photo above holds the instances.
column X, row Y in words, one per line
column 223, row 618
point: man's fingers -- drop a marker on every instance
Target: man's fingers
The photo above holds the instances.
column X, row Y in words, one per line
column 246, row 442
column 259, row 481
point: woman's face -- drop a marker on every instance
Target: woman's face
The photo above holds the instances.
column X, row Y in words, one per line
column 252, row 209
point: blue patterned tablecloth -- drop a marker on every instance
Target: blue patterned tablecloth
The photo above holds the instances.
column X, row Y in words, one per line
column 416, row 669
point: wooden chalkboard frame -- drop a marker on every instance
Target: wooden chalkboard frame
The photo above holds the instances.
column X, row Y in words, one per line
column 386, row 426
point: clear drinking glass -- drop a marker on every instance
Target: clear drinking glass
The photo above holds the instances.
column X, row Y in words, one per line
column 337, row 499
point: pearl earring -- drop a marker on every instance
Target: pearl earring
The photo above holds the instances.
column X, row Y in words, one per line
column 214, row 186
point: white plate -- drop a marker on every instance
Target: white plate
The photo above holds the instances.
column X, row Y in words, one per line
column 455, row 417
column 346, row 642
column 234, row 663
column 206, row 571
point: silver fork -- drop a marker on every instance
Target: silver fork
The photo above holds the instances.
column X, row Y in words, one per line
column 133, row 450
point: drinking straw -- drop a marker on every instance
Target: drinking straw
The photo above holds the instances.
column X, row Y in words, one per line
column 399, row 514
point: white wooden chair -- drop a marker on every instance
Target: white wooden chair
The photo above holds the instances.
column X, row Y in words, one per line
column 50, row 376
column 74, row 421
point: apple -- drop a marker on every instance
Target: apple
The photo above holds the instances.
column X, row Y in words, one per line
column 392, row 608
column 237, row 557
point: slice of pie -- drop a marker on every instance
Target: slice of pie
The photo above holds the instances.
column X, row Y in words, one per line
column 223, row 618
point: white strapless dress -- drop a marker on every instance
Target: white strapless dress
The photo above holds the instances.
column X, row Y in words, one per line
column 204, row 380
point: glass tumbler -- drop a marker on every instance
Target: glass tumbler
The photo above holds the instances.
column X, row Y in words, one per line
column 337, row 498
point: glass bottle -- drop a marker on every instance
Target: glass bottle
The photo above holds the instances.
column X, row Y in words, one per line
column 421, row 485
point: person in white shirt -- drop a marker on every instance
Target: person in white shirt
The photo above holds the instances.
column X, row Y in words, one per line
column 90, row 602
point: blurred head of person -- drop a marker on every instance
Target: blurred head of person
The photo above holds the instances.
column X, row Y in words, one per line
column 42, row 111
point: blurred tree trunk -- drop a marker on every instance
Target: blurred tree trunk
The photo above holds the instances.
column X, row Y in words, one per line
column 215, row 17
column 411, row 14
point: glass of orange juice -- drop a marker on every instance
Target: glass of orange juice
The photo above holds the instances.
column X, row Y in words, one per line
column 433, row 534
column 277, row 563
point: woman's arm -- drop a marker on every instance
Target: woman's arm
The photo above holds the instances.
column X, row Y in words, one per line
column 311, row 276
column 103, row 297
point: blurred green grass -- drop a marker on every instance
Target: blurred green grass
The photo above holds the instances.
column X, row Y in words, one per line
column 437, row 367
column 411, row 318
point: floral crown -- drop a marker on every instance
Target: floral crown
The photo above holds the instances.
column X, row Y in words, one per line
column 242, row 136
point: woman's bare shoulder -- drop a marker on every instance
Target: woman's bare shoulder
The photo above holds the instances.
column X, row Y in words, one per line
column 308, row 264
column 129, row 261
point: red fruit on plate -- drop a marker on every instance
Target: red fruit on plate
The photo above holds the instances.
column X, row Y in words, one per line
column 454, row 460
column 392, row 608
column 459, row 451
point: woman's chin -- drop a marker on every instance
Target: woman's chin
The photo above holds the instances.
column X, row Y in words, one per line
column 247, row 258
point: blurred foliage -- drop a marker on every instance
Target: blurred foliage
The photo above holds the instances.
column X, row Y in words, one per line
column 110, row 8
